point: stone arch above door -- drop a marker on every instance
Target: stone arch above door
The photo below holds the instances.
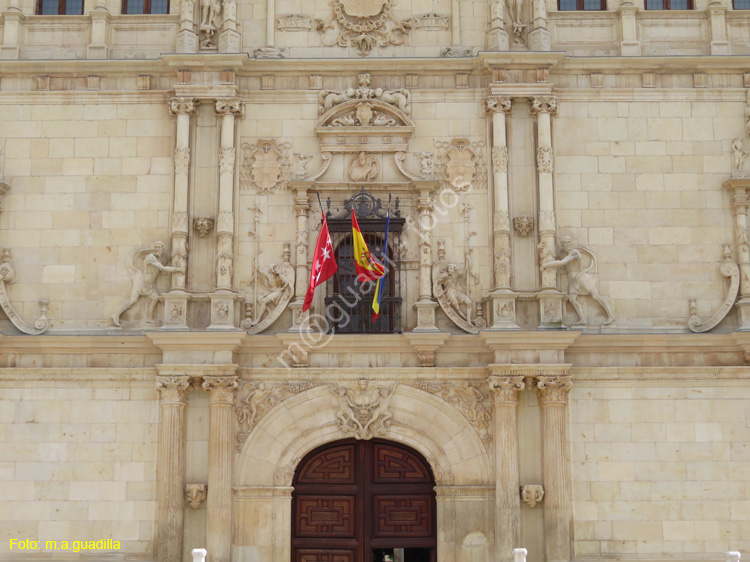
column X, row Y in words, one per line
column 300, row 423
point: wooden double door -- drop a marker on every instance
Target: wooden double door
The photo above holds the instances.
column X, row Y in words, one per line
column 363, row 501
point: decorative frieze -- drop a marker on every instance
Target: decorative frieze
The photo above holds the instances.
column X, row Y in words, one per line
column 432, row 22
column 294, row 22
column 469, row 398
column 363, row 408
column 544, row 160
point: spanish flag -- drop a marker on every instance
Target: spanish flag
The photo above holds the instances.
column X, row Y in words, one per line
column 379, row 287
column 368, row 268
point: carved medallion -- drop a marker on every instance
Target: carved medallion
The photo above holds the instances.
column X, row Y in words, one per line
column 265, row 165
column 460, row 167
column 363, row 167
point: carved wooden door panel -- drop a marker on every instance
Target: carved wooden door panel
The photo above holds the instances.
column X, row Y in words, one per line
column 355, row 497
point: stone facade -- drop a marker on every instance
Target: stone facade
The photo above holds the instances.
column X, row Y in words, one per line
column 574, row 272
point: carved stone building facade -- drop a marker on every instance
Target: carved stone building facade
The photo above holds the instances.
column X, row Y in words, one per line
column 561, row 358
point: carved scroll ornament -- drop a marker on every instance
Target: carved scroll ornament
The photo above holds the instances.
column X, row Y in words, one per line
column 729, row 270
column 279, row 282
column 399, row 98
column 6, row 276
column 363, row 411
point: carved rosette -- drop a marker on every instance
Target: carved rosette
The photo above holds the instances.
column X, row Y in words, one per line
column 183, row 106
column 505, row 389
column 469, row 398
column 202, row 226
column 544, row 159
column 363, row 411
column 220, row 388
column 230, row 106
column 497, row 104
column 181, row 160
column 173, row 388
column 553, row 389
column 532, row 495
column 523, row 225
column 256, row 399
column 543, row 104
column 227, row 155
column 500, row 159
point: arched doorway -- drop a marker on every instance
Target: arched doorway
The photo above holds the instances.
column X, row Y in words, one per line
column 363, row 501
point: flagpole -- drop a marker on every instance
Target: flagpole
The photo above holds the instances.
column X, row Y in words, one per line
column 338, row 281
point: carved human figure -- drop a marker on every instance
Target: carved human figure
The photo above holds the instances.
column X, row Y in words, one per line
column 363, row 167
column 144, row 282
column 278, row 280
column 580, row 281
column 210, row 12
column 450, row 282
column 426, row 165
column 738, row 159
column 515, row 10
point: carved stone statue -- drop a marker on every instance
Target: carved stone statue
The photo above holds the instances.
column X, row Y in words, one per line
column 363, row 167
column 426, row 165
column 363, row 408
column 515, row 10
column 144, row 280
column 279, row 280
column 210, row 23
column 581, row 281
column 450, row 288
column 738, row 159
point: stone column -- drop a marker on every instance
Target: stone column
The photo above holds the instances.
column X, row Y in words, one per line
column 220, row 463
column 497, row 36
column 229, row 38
column 550, row 299
column 170, row 466
column 187, row 38
column 302, row 275
column 503, row 299
column 426, row 305
column 222, row 300
column 552, row 392
column 175, row 301
column 629, row 46
column 505, row 391
column 738, row 189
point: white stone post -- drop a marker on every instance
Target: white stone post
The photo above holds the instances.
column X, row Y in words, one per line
column 503, row 299
column 222, row 300
column 170, row 466
column 426, row 305
column 732, row 556
column 302, row 274
column 505, row 391
column 519, row 554
column 199, row 554
column 740, row 201
column 552, row 392
column 629, row 46
column 220, row 462
column 550, row 299
column 717, row 18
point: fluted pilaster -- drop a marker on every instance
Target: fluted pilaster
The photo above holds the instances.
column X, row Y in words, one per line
column 170, row 477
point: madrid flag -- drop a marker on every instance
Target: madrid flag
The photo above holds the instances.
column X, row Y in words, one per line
column 368, row 268
column 324, row 264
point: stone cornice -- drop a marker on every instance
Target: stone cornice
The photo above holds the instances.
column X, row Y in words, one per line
column 57, row 375
column 227, row 341
column 201, row 371
column 629, row 375
column 354, row 374
column 78, row 344
column 520, row 340
column 531, row 370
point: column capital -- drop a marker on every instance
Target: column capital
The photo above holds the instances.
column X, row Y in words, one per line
column 543, row 104
column 173, row 388
column 220, row 388
column 497, row 104
column 230, row 106
column 553, row 389
column 183, row 106
column 505, row 389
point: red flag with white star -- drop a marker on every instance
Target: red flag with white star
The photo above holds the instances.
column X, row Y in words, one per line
column 324, row 264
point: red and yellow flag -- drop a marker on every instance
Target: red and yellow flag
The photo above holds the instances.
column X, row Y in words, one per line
column 368, row 268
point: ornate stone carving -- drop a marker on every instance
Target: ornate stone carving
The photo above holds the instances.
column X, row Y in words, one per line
column 183, row 106
column 271, row 52
column 581, row 280
column 221, row 388
column 500, row 159
column 284, row 474
column 728, row 269
column 210, row 24
column 495, row 104
column 505, row 389
column 426, row 165
column 432, row 22
column 515, row 11
column 327, row 157
column 553, row 389
column 544, row 159
column 255, row 399
column 363, row 167
column 399, row 98
column 227, row 157
column 363, row 408
column 195, row 494
column 469, row 398
column 450, row 288
column 181, row 160
column 7, row 273
column 523, row 225
column 230, row 106
column 202, row 226
column 294, row 22
column 456, row 51
column 400, row 158
column 459, row 164
column 299, row 168
column 543, row 104
column 363, row 24
column 279, row 280
column 738, row 159
column 532, row 495
column 266, row 166
column 144, row 280
column 443, row 476
column 173, row 388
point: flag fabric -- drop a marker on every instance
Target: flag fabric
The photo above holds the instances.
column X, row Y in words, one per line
column 368, row 268
column 378, row 288
column 324, row 263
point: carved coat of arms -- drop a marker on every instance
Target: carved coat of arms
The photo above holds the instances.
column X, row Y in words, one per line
column 461, row 166
column 267, row 166
column 363, row 8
